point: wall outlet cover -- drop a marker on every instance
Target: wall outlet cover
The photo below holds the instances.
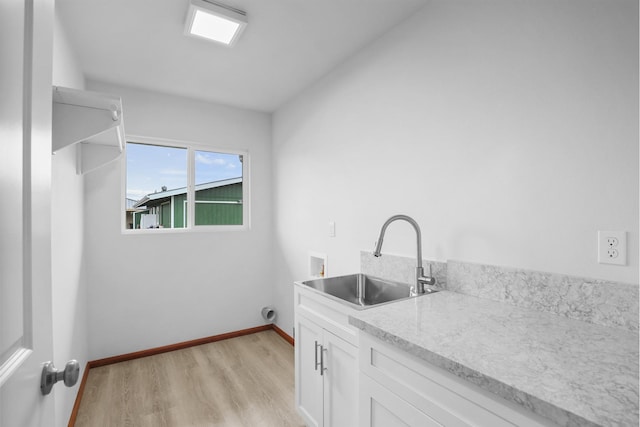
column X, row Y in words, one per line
column 612, row 247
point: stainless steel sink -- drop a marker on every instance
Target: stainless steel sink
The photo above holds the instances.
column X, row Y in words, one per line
column 360, row 290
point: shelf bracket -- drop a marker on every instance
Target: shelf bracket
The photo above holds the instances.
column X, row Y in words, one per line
column 91, row 118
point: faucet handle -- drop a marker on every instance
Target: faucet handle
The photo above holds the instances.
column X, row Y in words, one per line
column 428, row 280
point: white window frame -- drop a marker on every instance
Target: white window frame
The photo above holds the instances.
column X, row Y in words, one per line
column 191, row 148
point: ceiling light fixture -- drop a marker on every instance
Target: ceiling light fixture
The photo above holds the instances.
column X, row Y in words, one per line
column 215, row 21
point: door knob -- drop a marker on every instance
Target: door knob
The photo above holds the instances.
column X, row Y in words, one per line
column 50, row 375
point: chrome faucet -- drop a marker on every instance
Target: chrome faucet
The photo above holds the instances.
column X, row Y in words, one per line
column 421, row 279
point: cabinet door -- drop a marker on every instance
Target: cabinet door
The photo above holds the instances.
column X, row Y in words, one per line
column 340, row 382
column 308, row 379
column 379, row 407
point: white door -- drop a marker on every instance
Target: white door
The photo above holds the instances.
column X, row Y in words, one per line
column 340, row 382
column 26, row 32
column 308, row 353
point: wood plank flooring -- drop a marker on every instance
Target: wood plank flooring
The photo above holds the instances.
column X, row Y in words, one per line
column 243, row 381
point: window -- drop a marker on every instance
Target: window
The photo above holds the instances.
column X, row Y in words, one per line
column 181, row 186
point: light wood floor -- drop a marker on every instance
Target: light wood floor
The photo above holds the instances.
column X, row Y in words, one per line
column 243, row 381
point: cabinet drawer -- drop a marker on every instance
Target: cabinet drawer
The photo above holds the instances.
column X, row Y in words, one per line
column 381, row 408
column 447, row 399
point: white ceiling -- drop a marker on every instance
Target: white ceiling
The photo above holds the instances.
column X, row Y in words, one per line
column 287, row 45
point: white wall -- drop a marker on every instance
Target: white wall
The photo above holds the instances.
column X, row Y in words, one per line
column 508, row 130
column 158, row 289
column 70, row 336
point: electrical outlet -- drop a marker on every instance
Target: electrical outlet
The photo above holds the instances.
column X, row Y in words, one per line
column 612, row 247
column 612, row 242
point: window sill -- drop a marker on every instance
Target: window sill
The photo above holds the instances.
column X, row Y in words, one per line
column 197, row 229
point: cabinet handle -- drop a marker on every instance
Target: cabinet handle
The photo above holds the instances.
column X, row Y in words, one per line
column 316, row 356
column 322, row 368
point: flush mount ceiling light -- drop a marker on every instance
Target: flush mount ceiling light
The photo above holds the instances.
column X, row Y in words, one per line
column 215, row 21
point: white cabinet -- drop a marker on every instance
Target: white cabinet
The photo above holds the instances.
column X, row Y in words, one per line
column 383, row 408
column 398, row 389
column 309, row 382
column 326, row 363
column 340, row 361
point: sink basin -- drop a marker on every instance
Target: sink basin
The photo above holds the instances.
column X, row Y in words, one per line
column 360, row 290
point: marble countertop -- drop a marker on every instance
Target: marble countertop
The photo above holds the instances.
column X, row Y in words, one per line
column 571, row 372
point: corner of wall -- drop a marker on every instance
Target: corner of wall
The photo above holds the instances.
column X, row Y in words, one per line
column 69, row 291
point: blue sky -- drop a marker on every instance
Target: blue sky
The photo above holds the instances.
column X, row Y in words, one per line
column 149, row 167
